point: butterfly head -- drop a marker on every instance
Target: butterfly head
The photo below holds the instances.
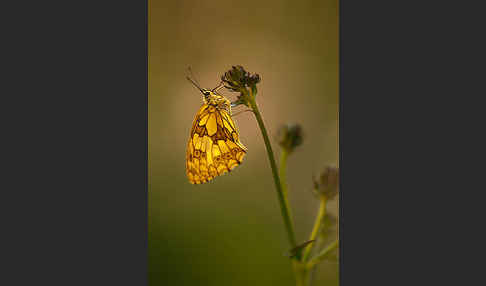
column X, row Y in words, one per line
column 211, row 97
column 214, row 99
column 207, row 94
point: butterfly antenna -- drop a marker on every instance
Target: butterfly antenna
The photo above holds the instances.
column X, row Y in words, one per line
column 221, row 84
column 193, row 79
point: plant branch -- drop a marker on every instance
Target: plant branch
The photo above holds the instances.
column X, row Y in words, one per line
column 280, row 191
column 283, row 179
column 317, row 226
column 322, row 254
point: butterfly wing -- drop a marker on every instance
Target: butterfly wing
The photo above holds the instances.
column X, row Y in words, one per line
column 214, row 147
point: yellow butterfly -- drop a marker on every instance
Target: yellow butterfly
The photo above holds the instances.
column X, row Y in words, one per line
column 214, row 147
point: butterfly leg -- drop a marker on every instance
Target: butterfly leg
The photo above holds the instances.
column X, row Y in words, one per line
column 241, row 112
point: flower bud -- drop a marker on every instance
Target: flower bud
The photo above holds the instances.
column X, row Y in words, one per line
column 327, row 184
column 290, row 136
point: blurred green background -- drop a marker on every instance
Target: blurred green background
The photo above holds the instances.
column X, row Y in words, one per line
column 230, row 231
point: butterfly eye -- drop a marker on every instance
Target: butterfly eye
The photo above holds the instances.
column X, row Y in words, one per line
column 206, row 93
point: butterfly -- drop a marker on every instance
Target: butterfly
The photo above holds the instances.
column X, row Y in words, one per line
column 214, row 147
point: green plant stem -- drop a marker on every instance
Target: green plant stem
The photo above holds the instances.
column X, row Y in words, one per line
column 283, row 170
column 322, row 254
column 300, row 271
column 283, row 179
column 317, row 226
column 280, row 192
column 313, row 270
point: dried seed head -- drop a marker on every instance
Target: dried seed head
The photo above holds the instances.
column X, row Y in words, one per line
column 239, row 80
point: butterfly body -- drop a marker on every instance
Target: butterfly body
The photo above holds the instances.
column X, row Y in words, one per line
column 214, row 147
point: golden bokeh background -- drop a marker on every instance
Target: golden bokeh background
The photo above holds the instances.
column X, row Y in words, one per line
column 230, row 231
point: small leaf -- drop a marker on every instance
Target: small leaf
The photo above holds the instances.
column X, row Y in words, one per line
column 294, row 251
